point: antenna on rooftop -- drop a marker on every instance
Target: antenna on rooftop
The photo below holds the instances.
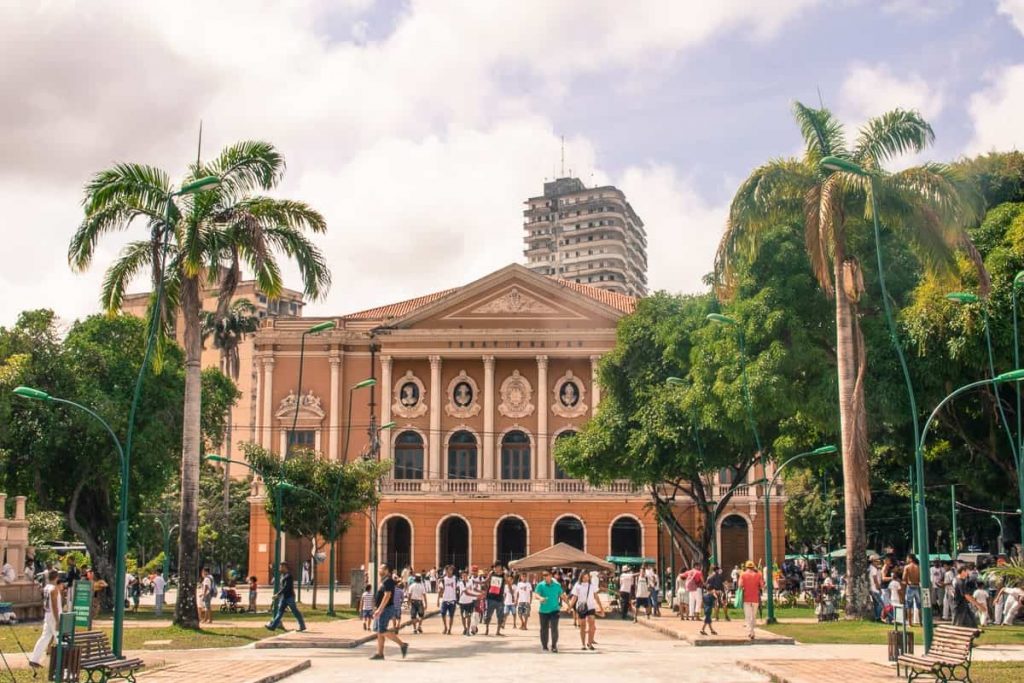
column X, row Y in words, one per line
column 563, row 156
column 199, row 149
column 821, row 102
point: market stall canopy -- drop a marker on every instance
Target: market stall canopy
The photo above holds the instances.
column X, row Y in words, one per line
column 841, row 553
column 560, row 555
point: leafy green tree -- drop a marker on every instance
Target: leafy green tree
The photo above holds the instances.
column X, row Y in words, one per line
column 930, row 206
column 210, row 236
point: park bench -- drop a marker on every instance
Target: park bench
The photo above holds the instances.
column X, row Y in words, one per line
column 949, row 658
column 99, row 662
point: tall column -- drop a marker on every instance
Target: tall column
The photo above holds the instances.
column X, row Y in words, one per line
column 542, row 418
column 595, row 389
column 433, row 458
column 256, row 406
column 489, row 435
column 385, row 406
column 268, row 405
column 333, row 426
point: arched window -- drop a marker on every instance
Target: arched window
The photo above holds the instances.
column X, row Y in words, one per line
column 409, row 456
column 627, row 537
column 462, row 456
column 515, row 456
column 559, row 472
column 729, row 475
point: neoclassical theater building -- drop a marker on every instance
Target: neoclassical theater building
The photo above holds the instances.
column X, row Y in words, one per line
column 480, row 382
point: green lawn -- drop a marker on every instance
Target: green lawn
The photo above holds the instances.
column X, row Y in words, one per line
column 309, row 614
column 997, row 672
column 873, row 633
column 135, row 639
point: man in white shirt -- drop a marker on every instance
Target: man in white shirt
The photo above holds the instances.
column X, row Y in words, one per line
column 417, row 594
column 625, row 590
column 524, row 597
column 875, row 585
column 159, row 587
column 51, row 615
column 468, row 593
column 447, row 594
column 948, row 581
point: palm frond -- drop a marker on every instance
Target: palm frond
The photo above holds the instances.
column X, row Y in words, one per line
column 316, row 276
column 822, row 133
column 893, row 133
column 773, row 192
column 114, row 217
column 246, row 166
column 133, row 259
column 136, row 185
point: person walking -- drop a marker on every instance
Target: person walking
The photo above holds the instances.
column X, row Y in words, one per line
column 709, row 605
column 751, row 583
column 159, row 589
column 51, row 616
column 716, row 587
column 963, row 600
column 383, row 614
column 912, row 590
column 205, row 597
column 643, row 597
column 447, row 595
column 695, row 591
column 467, row 602
column 524, row 598
column 586, row 602
column 875, row 585
column 495, row 598
column 551, row 596
column 286, row 600
column 625, row 590
column 417, row 594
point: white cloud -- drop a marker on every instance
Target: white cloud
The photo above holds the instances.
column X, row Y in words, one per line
column 1015, row 10
column 403, row 134
column 682, row 229
column 996, row 112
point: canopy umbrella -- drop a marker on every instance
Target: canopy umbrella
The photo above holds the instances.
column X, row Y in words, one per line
column 560, row 555
column 841, row 553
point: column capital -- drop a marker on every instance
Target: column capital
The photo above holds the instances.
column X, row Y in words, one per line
column 434, row 360
column 542, row 361
column 594, row 359
column 336, row 358
column 385, row 360
column 488, row 361
column 268, row 361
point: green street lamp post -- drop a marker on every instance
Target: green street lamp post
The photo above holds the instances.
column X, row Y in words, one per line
column 999, row 541
column 122, row 524
column 275, row 487
column 954, row 541
column 1018, row 282
column 833, row 163
column 167, row 530
column 770, row 583
column 922, row 514
column 331, row 578
column 375, row 454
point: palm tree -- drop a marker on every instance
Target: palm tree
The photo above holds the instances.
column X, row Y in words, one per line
column 209, row 237
column 228, row 332
column 928, row 205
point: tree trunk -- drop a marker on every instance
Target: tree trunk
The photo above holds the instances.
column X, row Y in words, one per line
column 850, row 362
column 185, row 612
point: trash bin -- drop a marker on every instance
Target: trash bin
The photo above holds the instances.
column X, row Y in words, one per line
column 358, row 578
column 900, row 643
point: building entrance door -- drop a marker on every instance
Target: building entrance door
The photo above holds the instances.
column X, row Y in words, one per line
column 511, row 540
column 396, row 542
column 734, row 544
column 453, row 543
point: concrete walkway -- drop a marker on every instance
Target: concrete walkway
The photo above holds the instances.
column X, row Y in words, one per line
column 797, row 671
column 326, row 634
column 729, row 632
column 221, row 671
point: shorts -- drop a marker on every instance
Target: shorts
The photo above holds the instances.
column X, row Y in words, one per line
column 523, row 609
column 509, row 609
column 467, row 608
column 492, row 607
column 366, row 614
column 448, row 608
column 380, row 624
column 207, row 601
column 643, row 602
column 416, row 609
column 583, row 614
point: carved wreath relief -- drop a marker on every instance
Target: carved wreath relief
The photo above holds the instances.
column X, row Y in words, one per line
column 515, row 396
column 569, row 395
column 409, row 396
column 462, row 396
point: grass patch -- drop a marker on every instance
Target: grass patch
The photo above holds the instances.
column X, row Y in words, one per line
column 997, row 672
column 134, row 639
column 874, row 633
column 309, row 614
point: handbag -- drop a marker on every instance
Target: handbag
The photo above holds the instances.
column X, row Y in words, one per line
column 738, row 602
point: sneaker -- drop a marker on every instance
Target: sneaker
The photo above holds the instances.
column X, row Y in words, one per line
column 554, row 649
column 590, row 647
column 268, row 627
column 377, row 657
column 714, row 632
column 405, row 649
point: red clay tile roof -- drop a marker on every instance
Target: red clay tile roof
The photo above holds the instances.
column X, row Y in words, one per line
column 620, row 302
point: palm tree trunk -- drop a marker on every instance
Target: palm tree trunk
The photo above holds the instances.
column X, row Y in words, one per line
column 185, row 612
column 850, row 362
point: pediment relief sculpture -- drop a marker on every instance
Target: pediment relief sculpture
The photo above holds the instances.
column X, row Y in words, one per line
column 410, row 396
column 309, row 407
column 463, row 396
column 516, row 394
column 569, row 393
column 514, row 301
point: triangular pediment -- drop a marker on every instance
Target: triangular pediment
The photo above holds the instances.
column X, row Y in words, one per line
column 514, row 297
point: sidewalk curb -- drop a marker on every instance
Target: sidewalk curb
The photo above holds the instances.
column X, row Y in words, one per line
column 296, row 640
column 713, row 641
column 290, row 671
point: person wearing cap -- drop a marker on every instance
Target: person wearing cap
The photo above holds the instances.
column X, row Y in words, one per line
column 625, row 590
column 751, row 583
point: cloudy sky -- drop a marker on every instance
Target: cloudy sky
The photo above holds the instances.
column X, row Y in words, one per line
column 418, row 127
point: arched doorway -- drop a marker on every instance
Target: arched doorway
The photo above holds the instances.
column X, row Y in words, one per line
column 734, row 542
column 396, row 542
column 569, row 530
column 627, row 537
column 511, row 539
column 453, row 542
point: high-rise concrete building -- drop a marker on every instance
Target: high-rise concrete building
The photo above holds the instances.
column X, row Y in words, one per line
column 589, row 235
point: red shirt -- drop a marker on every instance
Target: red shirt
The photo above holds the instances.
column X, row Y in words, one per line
column 752, row 584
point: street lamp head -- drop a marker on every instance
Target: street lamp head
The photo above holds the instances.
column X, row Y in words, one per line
column 206, row 183
column 322, row 327
column 365, row 383
column 720, row 319
column 1018, row 279
column 962, row 297
column 34, row 394
column 824, row 450
column 1011, row 376
column 214, row 458
column 387, row 425
column 833, row 163
column 676, row 381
